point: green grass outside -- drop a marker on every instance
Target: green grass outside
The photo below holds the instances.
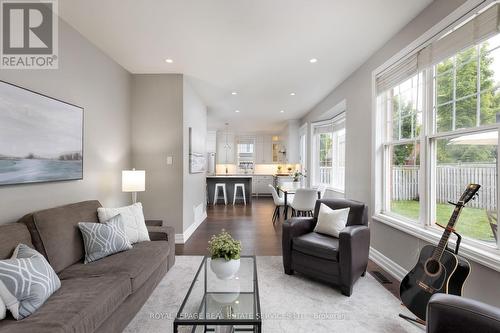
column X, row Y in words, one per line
column 472, row 223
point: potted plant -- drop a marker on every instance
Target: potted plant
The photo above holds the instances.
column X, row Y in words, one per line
column 225, row 253
column 297, row 175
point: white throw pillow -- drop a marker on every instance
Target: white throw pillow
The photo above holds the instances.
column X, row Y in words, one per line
column 133, row 219
column 331, row 221
column 3, row 309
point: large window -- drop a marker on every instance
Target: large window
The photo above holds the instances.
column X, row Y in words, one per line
column 328, row 162
column 403, row 115
column 440, row 111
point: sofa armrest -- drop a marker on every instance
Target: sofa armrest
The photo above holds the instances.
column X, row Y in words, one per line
column 164, row 233
column 154, row 223
column 293, row 227
column 450, row 313
column 354, row 247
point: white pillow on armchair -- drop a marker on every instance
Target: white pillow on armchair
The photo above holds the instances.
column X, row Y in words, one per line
column 331, row 221
column 133, row 219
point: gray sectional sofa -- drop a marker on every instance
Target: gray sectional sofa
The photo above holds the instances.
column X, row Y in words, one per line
column 102, row 296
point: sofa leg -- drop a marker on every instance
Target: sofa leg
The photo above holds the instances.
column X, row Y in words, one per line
column 364, row 273
column 346, row 290
column 288, row 271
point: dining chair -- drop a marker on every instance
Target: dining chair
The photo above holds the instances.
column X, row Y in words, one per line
column 278, row 203
column 321, row 190
column 304, row 201
column 331, row 194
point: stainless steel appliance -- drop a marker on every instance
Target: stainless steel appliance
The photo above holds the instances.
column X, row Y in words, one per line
column 211, row 163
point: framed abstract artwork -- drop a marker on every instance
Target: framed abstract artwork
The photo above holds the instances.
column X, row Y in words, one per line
column 41, row 138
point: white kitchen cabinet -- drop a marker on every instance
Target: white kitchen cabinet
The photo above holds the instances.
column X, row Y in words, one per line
column 211, row 141
column 226, row 148
column 260, row 184
column 263, row 149
column 267, row 149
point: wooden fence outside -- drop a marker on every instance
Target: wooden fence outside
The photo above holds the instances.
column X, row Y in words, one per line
column 450, row 183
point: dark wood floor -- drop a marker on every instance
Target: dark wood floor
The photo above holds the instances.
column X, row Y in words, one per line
column 252, row 225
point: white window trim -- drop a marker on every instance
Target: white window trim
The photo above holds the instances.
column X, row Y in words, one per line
column 471, row 249
column 340, row 116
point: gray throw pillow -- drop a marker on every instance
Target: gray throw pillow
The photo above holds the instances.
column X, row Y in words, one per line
column 26, row 281
column 104, row 239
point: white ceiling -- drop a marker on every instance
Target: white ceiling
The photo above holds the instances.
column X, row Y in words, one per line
column 259, row 48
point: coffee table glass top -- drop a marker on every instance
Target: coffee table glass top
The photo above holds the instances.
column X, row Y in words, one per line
column 212, row 301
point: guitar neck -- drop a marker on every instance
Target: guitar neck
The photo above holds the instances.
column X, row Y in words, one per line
column 438, row 252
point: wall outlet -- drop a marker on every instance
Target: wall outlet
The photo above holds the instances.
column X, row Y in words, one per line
column 170, row 160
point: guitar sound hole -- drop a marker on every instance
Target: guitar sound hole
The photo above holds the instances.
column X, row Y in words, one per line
column 432, row 267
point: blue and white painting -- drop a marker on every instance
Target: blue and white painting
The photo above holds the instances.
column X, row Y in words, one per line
column 41, row 138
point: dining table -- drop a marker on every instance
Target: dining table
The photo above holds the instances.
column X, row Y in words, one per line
column 291, row 188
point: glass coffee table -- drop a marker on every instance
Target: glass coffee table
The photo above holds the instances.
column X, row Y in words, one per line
column 215, row 305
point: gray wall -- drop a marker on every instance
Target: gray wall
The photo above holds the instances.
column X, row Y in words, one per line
column 194, row 189
column 356, row 90
column 157, row 132
column 164, row 106
column 88, row 78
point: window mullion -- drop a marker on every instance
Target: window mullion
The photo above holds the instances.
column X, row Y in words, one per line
column 454, row 92
column 478, row 88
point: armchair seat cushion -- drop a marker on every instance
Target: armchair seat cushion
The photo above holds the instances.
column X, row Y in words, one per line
column 317, row 245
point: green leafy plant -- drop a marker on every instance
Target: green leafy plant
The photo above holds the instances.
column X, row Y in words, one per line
column 297, row 175
column 224, row 246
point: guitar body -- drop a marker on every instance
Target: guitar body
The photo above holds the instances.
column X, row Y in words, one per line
column 457, row 280
column 427, row 278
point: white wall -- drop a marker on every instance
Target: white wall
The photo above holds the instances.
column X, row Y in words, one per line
column 88, row 78
column 194, row 188
column 356, row 90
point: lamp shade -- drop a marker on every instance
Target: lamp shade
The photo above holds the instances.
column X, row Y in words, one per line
column 133, row 180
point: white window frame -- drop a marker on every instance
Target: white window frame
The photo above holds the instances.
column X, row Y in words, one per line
column 471, row 249
column 314, row 168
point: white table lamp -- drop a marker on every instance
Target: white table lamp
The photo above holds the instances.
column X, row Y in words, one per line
column 133, row 181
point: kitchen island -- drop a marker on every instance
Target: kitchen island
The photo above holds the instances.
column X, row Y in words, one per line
column 229, row 180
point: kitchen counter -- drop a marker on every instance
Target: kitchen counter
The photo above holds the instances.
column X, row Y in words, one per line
column 231, row 176
column 230, row 180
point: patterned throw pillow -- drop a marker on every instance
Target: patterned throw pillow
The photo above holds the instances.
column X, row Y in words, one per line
column 26, row 281
column 3, row 309
column 104, row 239
column 133, row 219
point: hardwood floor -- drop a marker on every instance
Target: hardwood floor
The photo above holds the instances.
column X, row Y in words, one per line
column 252, row 225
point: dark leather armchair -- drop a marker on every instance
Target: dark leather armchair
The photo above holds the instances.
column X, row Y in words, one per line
column 337, row 261
column 454, row 314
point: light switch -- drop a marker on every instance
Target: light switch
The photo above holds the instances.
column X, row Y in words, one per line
column 170, row 160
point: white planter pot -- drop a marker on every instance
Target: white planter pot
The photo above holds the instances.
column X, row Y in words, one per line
column 224, row 269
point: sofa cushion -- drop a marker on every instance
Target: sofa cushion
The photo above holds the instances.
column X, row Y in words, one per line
column 11, row 234
column 317, row 245
column 104, row 239
column 26, row 281
column 137, row 263
column 55, row 232
column 80, row 305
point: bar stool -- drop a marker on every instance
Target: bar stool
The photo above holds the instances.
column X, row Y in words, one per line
column 216, row 192
column 242, row 187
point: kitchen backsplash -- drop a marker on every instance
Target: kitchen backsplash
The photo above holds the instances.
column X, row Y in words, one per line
column 263, row 169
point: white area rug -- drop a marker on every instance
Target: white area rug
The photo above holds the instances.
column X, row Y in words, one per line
column 295, row 300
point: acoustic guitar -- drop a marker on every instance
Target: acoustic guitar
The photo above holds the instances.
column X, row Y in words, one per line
column 438, row 269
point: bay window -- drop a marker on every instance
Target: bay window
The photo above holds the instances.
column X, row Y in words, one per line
column 328, row 160
column 439, row 116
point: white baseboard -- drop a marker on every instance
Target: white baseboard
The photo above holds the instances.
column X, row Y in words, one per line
column 387, row 264
column 182, row 238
